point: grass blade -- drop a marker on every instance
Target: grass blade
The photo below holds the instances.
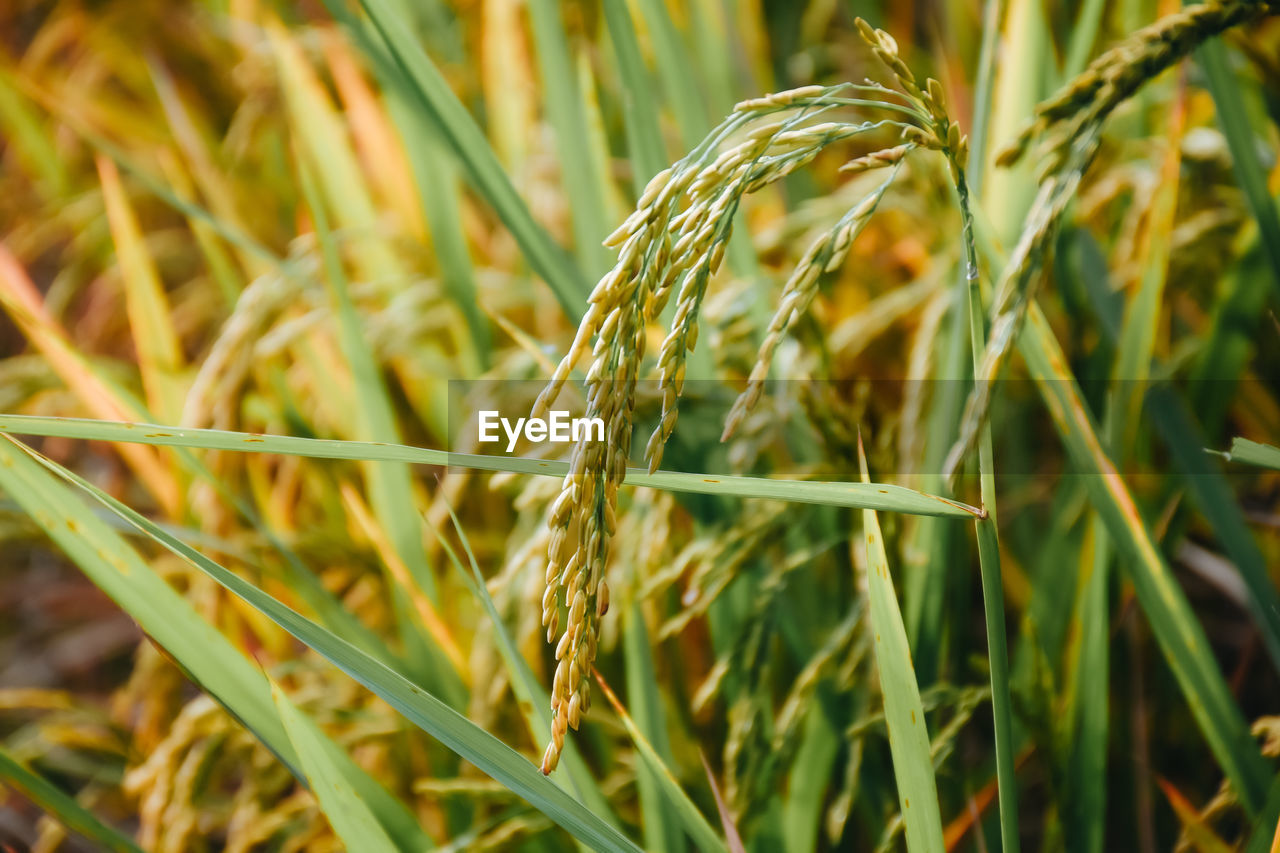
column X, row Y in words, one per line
column 1087, row 700
column 1266, row 829
column 925, row 588
column 104, row 398
column 1213, row 496
column 1194, row 826
column 469, row 144
column 884, row 497
column 1083, row 36
column 1237, row 312
column 904, row 714
column 1136, row 345
column 150, row 322
column 1250, row 173
column 564, row 105
column 644, row 142
column 1087, row 712
column 227, row 229
column 347, row 813
column 1254, row 453
column 321, row 139
column 982, row 90
column 455, row 731
column 989, row 554
column 998, row 659
column 1018, row 86
column 222, row 266
column 807, row 781
column 1181, row 638
column 390, row 487
column 533, row 699
column 435, row 175
column 644, row 690
column 382, row 158
column 676, row 71
column 101, row 397
column 691, row 818
column 208, row 658
column 196, row 144
column 29, row 139
column 61, row 807
column 439, row 189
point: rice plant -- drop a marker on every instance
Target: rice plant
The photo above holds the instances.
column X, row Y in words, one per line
column 948, row 330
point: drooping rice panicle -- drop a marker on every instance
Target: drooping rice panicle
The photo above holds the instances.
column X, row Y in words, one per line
column 1015, row 291
column 934, row 130
column 1116, row 75
column 673, row 243
column 825, row 254
column 1072, row 123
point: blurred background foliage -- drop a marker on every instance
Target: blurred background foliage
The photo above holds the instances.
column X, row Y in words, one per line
column 171, row 177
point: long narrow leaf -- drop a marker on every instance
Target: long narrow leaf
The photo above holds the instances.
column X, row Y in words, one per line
column 533, row 699
column 1214, row 498
column 694, row 823
column 391, row 487
column 903, row 711
column 644, row 690
column 347, row 813
column 565, row 110
column 208, row 657
column 1087, row 714
column 100, row 396
column 989, row 557
column 676, row 70
column 62, row 807
column 1254, row 453
column 150, row 318
column 879, row 496
column 1250, row 174
column 469, row 144
column 1180, row 636
column 455, row 731
column 644, row 142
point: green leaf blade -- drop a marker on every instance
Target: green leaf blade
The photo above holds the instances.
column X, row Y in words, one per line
column 62, row 807
column 420, row 707
column 341, row 804
column 904, row 713
column 208, row 658
column 1255, row 453
column 885, row 497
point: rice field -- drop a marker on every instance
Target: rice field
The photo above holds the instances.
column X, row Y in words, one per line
column 716, row 425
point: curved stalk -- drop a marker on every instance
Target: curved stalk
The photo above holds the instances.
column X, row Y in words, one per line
column 989, row 550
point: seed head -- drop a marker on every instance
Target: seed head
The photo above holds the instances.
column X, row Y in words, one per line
column 1115, row 75
column 674, row 242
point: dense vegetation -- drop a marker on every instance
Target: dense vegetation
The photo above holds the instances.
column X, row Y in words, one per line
column 260, row 592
